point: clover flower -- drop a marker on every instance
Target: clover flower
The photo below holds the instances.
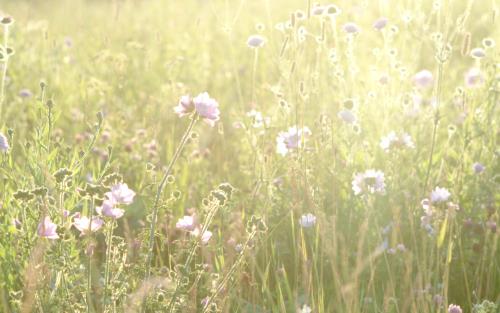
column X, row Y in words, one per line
column 371, row 181
column 307, row 220
column 47, row 229
column 292, row 139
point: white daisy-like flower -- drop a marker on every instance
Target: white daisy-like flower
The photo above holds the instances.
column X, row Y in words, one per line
column 392, row 141
column 440, row 195
column 292, row 139
column 371, row 181
column 307, row 220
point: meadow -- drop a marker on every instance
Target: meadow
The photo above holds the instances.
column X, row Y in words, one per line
column 249, row 156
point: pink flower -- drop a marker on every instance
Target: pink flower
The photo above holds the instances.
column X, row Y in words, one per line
column 47, row 229
column 380, row 23
column 108, row 209
column 185, row 106
column 351, row 28
column 207, row 108
column 120, row 194
column 205, row 237
column 256, row 41
column 453, row 308
column 82, row 224
column 4, row 143
column 186, row 223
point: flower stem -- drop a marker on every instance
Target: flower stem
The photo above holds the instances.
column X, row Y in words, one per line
column 108, row 257
column 89, row 252
column 161, row 186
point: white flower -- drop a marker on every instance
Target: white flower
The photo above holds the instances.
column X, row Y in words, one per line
column 292, row 139
column 307, row 220
column 305, row 309
column 439, row 195
column 257, row 119
column 108, row 209
column 371, row 181
column 392, row 140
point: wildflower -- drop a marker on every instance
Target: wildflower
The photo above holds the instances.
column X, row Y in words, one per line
column 380, row 23
column 108, row 209
column 394, row 141
column 347, row 116
column 82, row 224
column 4, row 143
column 256, row 41
column 332, row 10
column 401, row 247
column 25, row 93
column 207, row 108
column 371, row 181
column 257, row 119
column 305, row 309
column 120, row 194
column 391, row 251
column 318, row 10
column 423, row 79
column 438, row 299
column 307, row 220
column 492, row 225
column 477, row 53
column 186, row 223
column 351, row 28
column 47, row 229
column 205, row 237
column 474, row 77
column 185, row 106
column 439, row 195
column 453, row 308
column 478, row 168
column 292, row 139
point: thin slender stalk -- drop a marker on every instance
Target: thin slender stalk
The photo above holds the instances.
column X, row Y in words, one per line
column 89, row 251
column 108, row 256
column 4, row 68
column 161, row 186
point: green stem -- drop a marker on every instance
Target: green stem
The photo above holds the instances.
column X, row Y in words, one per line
column 89, row 251
column 108, row 256
column 161, row 186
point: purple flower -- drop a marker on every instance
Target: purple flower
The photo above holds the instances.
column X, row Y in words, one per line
column 186, row 223
column 347, row 116
column 4, row 143
column 185, row 106
column 25, row 93
column 207, row 108
column 108, row 209
column 371, row 181
column 47, row 229
column 478, row 53
column 120, row 194
column 82, row 224
column 453, row 308
column 440, row 195
column 423, row 79
column 256, row 41
column 307, row 220
column 351, row 28
column 474, row 77
column 292, row 139
column 392, row 141
column 380, row 23
column 478, row 168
